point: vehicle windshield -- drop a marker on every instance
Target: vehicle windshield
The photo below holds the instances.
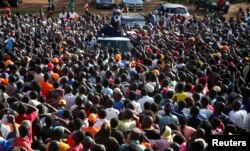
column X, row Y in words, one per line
column 133, row 1
column 178, row 10
column 132, row 21
column 123, row 46
column 106, row 1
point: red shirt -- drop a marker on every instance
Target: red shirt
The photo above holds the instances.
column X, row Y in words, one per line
column 23, row 142
column 76, row 148
column 31, row 117
column 70, row 140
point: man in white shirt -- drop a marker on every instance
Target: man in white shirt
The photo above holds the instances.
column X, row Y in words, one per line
column 111, row 112
column 102, row 118
column 137, row 106
column 69, row 97
column 145, row 98
column 73, row 14
column 63, row 14
column 237, row 115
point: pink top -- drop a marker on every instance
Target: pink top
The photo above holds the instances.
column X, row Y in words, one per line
column 187, row 132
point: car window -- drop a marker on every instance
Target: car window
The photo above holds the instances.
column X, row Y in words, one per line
column 123, row 46
column 178, row 10
column 105, row 1
column 181, row 10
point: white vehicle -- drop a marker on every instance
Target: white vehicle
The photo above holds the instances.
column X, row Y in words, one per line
column 133, row 4
column 174, row 9
column 122, row 43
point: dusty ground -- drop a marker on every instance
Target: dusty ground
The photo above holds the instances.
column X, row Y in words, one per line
column 148, row 6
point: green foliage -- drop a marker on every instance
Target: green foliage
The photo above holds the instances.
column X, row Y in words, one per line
column 177, row 1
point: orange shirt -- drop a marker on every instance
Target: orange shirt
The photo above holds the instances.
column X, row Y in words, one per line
column 91, row 129
column 4, row 81
column 45, row 88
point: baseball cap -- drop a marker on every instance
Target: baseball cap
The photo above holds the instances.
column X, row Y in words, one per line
column 92, row 117
column 118, row 57
column 50, row 66
column 55, row 76
column 8, row 62
column 55, row 60
column 149, row 87
column 156, row 72
column 62, row 102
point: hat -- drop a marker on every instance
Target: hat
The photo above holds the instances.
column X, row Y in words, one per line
column 224, row 47
column 62, row 102
column 169, row 106
column 218, row 55
column 27, row 58
column 167, row 133
column 117, row 90
column 175, row 53
column 26, row 123
column 149, row 87
column 55, row 60
column 118, row 57
column 64, row 42
column 191, row 39
column 132, row 63
column 55, row 76
column 216, row 88
column 156, row 72
column 149, row 50
column 8, row 62
column 67, row 55
column 92, row 118
column 162, row 57
column 50, row 66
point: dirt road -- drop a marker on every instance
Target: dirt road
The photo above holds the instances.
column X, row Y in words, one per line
column 148, row 6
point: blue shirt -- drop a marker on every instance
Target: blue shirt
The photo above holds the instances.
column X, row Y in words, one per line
column 167, row 119
column 123, row 147
column 118, row 105
column 6, row 144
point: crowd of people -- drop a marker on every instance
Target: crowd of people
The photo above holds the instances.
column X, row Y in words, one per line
column 185, row 80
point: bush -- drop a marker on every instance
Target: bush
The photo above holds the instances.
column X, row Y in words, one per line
column 177, row 1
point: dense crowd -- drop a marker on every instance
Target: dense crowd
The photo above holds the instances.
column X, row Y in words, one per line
column 186, row 79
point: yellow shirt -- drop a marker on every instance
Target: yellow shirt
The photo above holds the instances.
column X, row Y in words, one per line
column 180, row 97
column 62, row 146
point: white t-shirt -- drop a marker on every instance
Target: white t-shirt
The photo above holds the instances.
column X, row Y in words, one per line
column 144, row 99
column 73, row 15
column 111, row 113
column 238, row 117
column 206, row 112
column 62, row 15
column 99, row 123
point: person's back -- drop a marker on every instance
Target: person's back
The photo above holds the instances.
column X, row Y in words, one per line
column 168, row 118
column 23, row 140
column 237, row 115
column 104, row 137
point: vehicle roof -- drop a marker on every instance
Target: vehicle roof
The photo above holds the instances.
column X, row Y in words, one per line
column 113, row 38
column 171, row 5
column 132, row 17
